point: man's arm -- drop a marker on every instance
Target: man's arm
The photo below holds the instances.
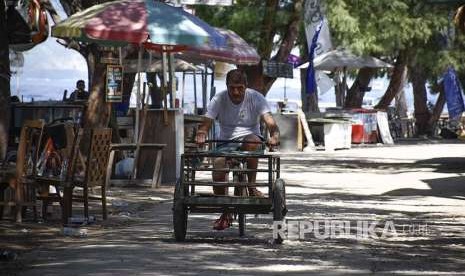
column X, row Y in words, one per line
column 272, row 128
column 202, row 131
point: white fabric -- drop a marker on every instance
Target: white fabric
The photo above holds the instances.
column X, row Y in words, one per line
column 237, row 120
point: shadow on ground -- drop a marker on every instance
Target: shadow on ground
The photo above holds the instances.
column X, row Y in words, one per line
column 137, row 238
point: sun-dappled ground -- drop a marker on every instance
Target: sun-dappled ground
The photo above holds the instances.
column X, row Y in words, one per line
column 420, row 188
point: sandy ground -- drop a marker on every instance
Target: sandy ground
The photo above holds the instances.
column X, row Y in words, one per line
column 418, row 190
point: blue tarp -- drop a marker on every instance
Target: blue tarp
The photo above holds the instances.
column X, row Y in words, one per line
column 310, row 81
column 453, row 92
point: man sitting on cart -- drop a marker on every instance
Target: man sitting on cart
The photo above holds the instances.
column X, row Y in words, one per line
column 238, row 111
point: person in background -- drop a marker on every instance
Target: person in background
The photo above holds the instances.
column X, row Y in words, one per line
column 79, row 94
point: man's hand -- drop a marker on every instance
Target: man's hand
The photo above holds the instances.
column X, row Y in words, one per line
column 202, row 131
column 273, row 141
column 270, row 123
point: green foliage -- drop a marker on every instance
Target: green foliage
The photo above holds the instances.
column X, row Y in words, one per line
column 245, row 18
column 384, row 27
column 373, row 27
column 381, row 27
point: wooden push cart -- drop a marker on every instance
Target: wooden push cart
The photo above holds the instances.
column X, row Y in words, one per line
column 188, row 200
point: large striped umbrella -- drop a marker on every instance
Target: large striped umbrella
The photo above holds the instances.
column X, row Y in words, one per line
column 235, row 51
column 137, row 21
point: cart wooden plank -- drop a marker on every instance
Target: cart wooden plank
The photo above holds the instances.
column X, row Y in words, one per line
column 227, row 201
column 228, row 184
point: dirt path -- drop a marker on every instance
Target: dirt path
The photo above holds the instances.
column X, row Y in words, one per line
column 417, row 185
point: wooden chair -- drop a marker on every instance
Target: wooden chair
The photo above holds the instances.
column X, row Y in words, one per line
column 27, row 157
column 93, row 173
column 58, row 182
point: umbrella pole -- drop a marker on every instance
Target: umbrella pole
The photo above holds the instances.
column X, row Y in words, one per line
column 165, row 85
column 172, row 80
column 204, row 89
column 139, row 60
column 212, row 83
column 285, row 96
column 183, row 88
column 195, row 92
column 137, row 136
column 344, row 85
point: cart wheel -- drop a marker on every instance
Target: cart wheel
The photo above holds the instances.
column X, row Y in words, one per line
column 279, row 203
column 179, row 214
column 242, row 221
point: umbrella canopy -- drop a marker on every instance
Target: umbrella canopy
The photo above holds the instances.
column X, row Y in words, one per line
column 130, row 66
column 235, row 51
column 137, row 21
column 345, row 59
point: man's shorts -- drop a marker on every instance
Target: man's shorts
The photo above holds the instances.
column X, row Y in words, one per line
column 234, row 145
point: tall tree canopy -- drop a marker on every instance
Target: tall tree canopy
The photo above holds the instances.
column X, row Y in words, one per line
column 272, row 26
column 416, row 37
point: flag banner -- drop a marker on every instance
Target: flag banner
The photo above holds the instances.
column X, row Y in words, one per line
column 294, row 60
column 311, row 86
column 453, row 92
column 313, row 15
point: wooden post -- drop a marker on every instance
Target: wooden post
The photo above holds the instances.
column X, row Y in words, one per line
column 300, row 140
column 308, row 134
column 156, row 179
column 172, row 79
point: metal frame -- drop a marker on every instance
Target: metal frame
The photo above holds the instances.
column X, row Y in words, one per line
column 210, row 203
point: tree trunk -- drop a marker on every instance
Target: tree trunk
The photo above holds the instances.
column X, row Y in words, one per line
column 354, row 97
column 255, row 76
column 422, row 114
column 437, row 110
column 401, row 102
column 155, row 91
column 98, row 111
column 4, row 83
column 309, row 102
column 396, row 84
column 339, row 89
column 401, row 105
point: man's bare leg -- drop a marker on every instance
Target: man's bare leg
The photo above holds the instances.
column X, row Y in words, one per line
column 225, row 220
column 252, row 163
column 219, row 163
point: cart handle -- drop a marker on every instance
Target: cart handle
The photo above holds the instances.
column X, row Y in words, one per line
column 272, row 148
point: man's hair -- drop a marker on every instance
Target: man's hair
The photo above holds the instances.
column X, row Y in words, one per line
column 236, row 76
column 80, row 81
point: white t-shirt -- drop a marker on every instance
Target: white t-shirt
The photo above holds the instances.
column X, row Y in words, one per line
column 237, row 120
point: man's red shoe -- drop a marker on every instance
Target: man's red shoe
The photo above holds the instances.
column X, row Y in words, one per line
column 225, row 221
column 255, row 192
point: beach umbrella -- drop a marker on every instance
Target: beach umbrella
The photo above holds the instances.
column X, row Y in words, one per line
column 235, row 51
column 130, row 66
column 137, row 21
column 148, row 23
column 341, row 58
